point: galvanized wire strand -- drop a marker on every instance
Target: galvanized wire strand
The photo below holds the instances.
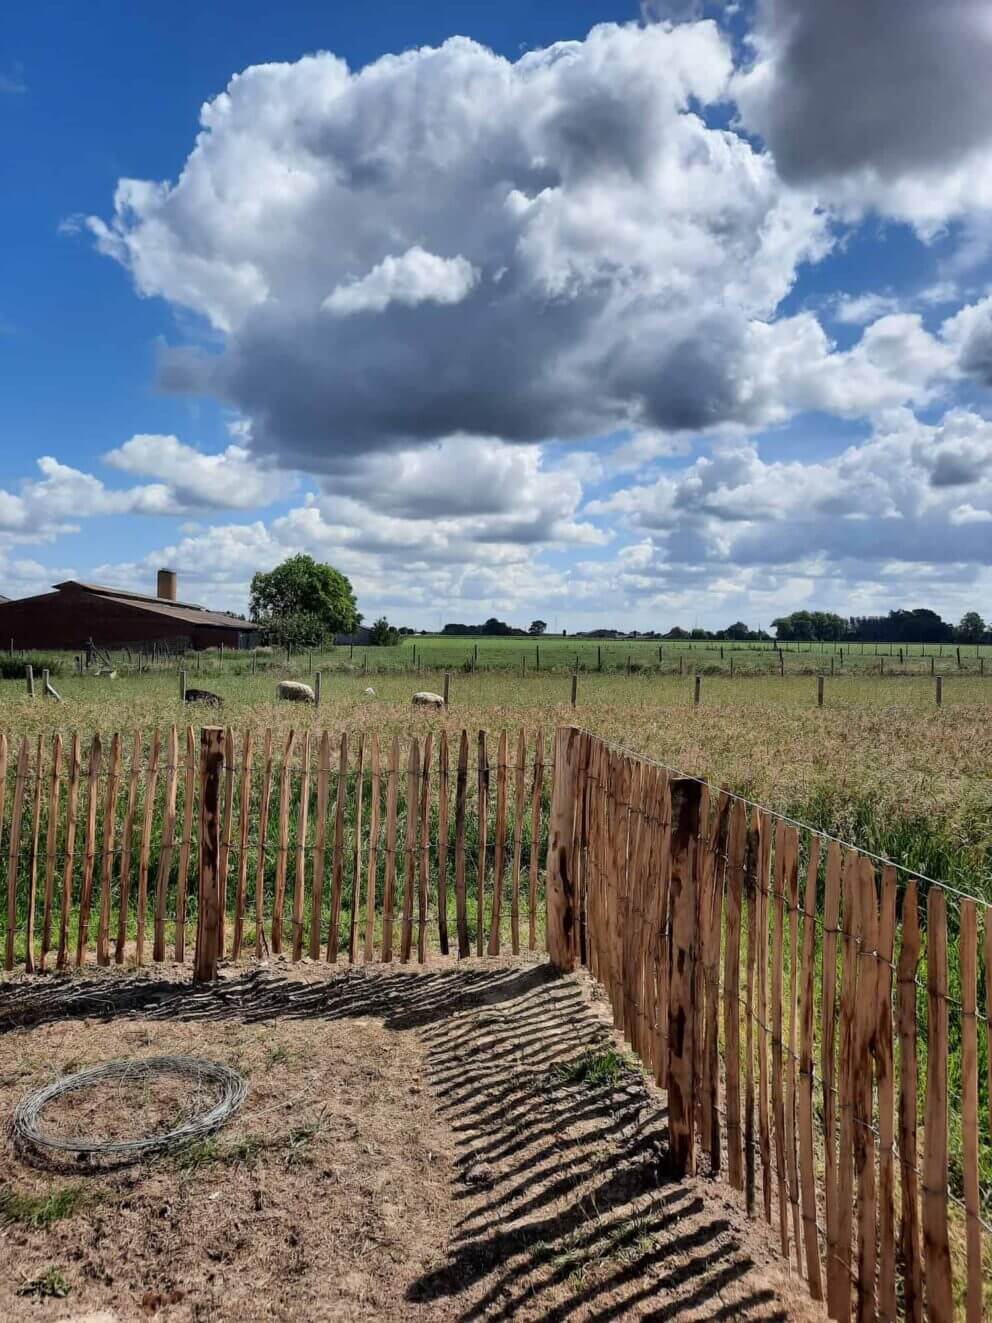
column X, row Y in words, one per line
column 232, row 1087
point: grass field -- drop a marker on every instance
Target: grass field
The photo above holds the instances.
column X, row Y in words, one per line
column 879, row 764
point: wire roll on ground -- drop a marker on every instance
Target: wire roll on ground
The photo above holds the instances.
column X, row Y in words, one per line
column 232, row 1087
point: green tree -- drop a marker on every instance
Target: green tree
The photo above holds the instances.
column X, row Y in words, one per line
column 971, row 628
column 303, row 599
column 383, row 634
column 537, row 626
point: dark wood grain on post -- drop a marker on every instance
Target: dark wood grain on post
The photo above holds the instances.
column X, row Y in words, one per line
column 686, row 797
column 208, row 907
column 936, row 1243
column 562, row 914
column 909, row 1226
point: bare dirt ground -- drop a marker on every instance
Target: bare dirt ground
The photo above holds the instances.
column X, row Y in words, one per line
column 448, row 1143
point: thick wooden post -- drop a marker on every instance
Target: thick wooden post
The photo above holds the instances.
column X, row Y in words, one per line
column 447, row 689
column 208, row 921
column 819, row 690
column 182, row 686
column 29, row 677
column 697, row 690
column 575, row 689
column 686, row 799
column 562, row 893
column 316, row 689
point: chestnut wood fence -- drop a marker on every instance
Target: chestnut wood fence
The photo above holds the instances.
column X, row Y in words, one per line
column 324, row 846
column 815, row 1015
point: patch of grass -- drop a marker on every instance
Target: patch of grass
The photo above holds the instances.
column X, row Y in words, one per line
column 275, row 1056
column 40, row 1211
column 596, row 1069
column 49, row 1285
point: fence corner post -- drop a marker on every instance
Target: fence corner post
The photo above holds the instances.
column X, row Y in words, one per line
column 562, row 889
column 208, row 913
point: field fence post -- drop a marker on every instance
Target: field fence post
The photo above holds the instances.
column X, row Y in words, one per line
column 575, row 688
column 208, row 913
column 447, row 689
column 182, row 686
column 939, row 691
column 697, row 690
column 562, row 897
column 819, row 691
column 29, row 677
column 316, row 689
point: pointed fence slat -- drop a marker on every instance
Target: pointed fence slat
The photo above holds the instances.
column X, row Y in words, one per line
column 168, row 841
column 461, row 791
column 425, row 847
column 389, row 892
column 264, row 809
column 482, row 785
column 109, row 844
column 51, row 838
column 300, row 873
column 410, row 848
column 443, row 798
column 72, row 805
column 185, row 845
column 244, row 822
column 537, row 796
column 33, row 863
column 320, row 845
column 148, row 819
column 372, row 873
column 89, row 856
column 282, row 843
column 337, row 875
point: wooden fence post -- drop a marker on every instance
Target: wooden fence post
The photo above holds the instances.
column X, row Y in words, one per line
column 29, row 677
column 208, row 916
column 939, row 691
column 697, row 687
column 447, row 689
column 562, row 897
column 819, row 691
column 316, row 689
column 575, row 689
column 182, row 686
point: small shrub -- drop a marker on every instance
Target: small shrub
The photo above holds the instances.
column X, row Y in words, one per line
column 13, row 668
column 596, row 1069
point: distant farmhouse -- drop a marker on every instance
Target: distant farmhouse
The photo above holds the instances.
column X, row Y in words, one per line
column 75, row 613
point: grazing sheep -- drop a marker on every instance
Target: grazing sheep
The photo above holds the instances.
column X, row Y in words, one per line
column 204, row 696
column 426, row 699
column 370, row 692
column 295, row 691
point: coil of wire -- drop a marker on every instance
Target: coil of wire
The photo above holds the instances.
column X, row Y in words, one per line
column 230, row 1087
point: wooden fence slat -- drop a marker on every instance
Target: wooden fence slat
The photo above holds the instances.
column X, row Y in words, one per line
column 909, row 1203
column 936, row 1243
column 536, row 804
column 185, row 845
column 13, row 854
column 425, row 846
column 865, row 1028
column 372, row 873
column 443, row 773
column 337, row 876
column 225, row 831
column 805, row 1102
column 461, row 905
column 968, row 940
column 518, row 825
column 389, row 892
column 51, row 840
column 686, row 799
column 356, row 869
column 792, row 1056
column 482, row 784
column 763, row 824
column 109, row 843
column 410, row 848
column 711, row 972
column 736, row 846
column 72, row 804
column 282, row 843
column 244, row 823
column 885, row 1061
column 168, row 838
column 302, row 824
column 320, row 845
column 3, row 790
column 89, row 857
column 778, row 1057
column 841, row 1258
column 499, row 861
column 209, row 944
column 263, row 836
column 828, row 1050
column 752, row 897
column 148, row 819
column 33, row 862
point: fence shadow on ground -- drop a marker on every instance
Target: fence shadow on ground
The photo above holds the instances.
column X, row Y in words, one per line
column 562, row 1208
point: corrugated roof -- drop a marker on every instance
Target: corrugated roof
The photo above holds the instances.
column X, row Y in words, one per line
column 187, row 612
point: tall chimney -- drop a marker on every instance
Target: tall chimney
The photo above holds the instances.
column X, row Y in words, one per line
column 167, row 585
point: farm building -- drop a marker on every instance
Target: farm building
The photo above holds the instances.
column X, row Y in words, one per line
column 76, row 613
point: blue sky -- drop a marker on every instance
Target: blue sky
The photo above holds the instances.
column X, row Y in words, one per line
column 611, row 314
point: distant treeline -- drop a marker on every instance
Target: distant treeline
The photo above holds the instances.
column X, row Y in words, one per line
column 918, row 626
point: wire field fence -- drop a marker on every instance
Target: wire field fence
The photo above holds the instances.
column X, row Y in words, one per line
column 814, row 1014
column 324, row 845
